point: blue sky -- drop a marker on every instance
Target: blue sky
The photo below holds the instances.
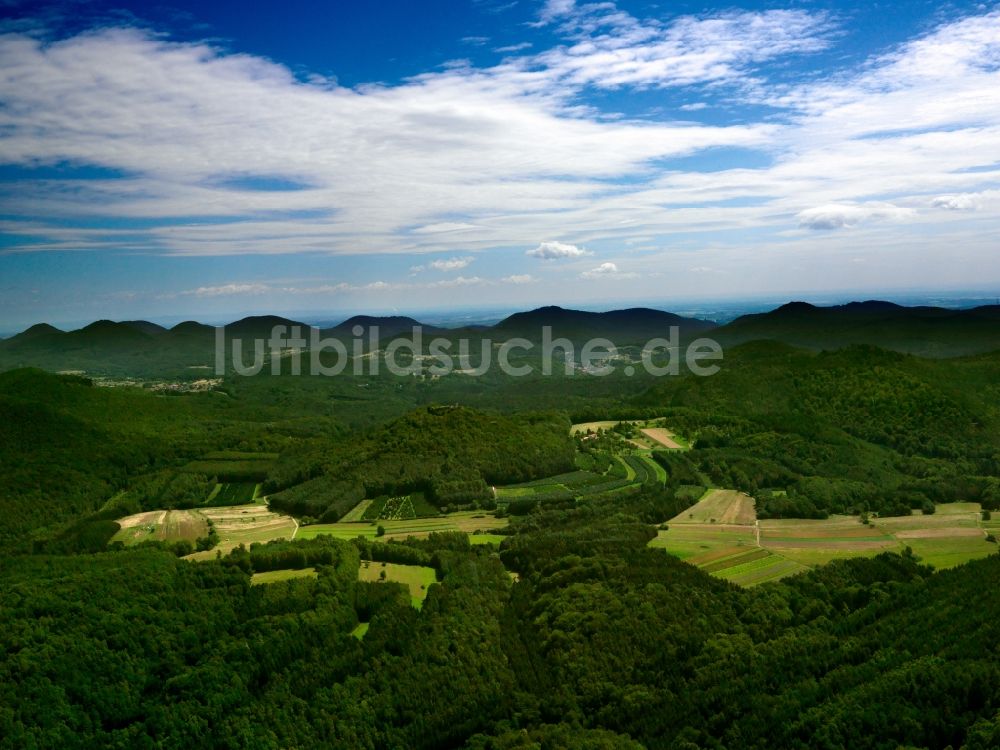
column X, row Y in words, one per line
column 202, row 159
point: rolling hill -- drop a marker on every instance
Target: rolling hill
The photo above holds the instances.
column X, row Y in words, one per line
column 144, row 348
column 924, row 331
column 633, row 325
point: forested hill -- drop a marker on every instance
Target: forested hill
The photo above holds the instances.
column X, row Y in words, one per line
column 67, row 446
column 451, row 453
column 859, row 428
column 925, row 331
column 604, row 643
column 630, row 326
column 139, row 348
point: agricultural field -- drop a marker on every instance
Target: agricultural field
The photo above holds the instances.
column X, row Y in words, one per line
column 626, row 471
column 161, row 526
column 954, row 534
column 234, row 493
column 721, row 535
column 274, row 576
column 662, row 436
column 245, row 524
column 417, row 577
column 468, row 521
column 720, row 506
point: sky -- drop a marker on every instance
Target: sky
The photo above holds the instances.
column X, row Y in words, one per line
column 203, row 159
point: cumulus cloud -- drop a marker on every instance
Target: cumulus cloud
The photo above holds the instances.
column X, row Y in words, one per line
column 553, row 250
column 607, row 271
column 519, row 278
column 842, row 216
column 450, row 264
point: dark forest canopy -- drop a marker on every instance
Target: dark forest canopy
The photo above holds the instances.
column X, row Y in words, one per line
column 601, row 642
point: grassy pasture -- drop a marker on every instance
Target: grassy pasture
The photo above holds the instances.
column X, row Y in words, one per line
column 357, row 513
column 417, row 577
column 494, row 539
column 694, row 540
column 658, row 471
column 274, row 576
column 161, row 526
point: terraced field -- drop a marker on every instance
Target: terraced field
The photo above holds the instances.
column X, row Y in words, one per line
column 245, row 524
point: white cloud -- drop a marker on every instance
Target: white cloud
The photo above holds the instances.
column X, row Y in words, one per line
column 552, row 250
column 841, row 215
column 607, row 271
column 457, row 281
column 520, row 47
column 961, row 202
column 466, row 160
column 553, row 9
column 615, row 49
column 450, row 264
column 445, row 226
column 694, row 107
column 487, row 145
column 522, row 278
column 227, row 290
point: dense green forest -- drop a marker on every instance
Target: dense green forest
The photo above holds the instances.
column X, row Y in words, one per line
column 573, row 632
column 452, row 454
column 603, row 643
